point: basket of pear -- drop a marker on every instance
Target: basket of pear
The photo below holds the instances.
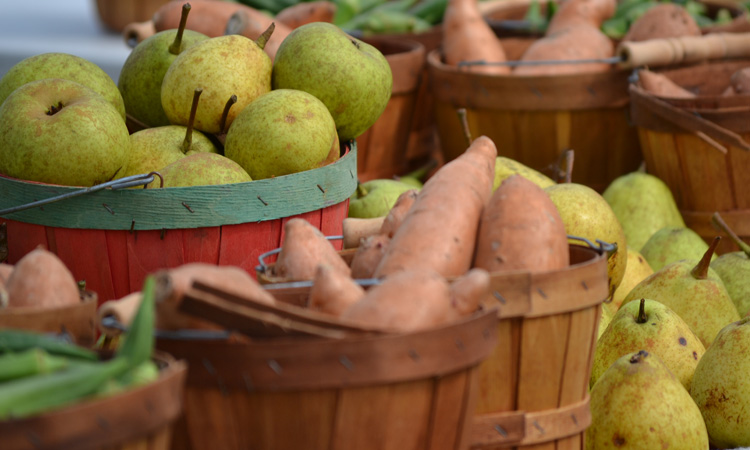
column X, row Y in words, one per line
column 237, row 144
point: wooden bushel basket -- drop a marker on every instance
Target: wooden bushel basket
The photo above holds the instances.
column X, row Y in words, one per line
column 75, row 321
column 699, row 147
column 394, row 391
column 140, row 418
column 113, row 238
column 533, row 389
column 382, row 149
column 535, row 119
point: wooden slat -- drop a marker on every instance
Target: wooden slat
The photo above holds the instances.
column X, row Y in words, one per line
column 23, row 238
column 151, row 250
column 92, row 265
column 117, row 250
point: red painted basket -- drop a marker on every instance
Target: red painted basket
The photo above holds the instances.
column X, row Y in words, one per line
column 113, row 238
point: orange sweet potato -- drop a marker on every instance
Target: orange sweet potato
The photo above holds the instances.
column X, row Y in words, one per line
column 303, row 248
column 665, row 20
column 521, row 229
column 5, row 270
column 468, row 37
column 248, row 24
column 172, row 284
column 332, row 292
column 469, row 290
column 661, row 85
column 41, row 280
column 573, row 13
column 368, row 255
column 398, row 211
column 439, row 231
column 406, row 301
column 739, row 83
column 573, row 43
column 306, row 12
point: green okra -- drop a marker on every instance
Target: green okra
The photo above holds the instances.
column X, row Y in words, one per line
column 34, row 361
column 13, row 340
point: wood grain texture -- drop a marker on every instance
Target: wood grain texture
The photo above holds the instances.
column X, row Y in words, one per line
column 185, row 207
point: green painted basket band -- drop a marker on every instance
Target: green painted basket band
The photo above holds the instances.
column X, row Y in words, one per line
column 185, row 207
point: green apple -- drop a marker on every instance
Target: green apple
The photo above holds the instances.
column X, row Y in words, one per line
column 61, row 132
column 282, row 132
column 62, row 65
column 142, row 73
column 352, row 78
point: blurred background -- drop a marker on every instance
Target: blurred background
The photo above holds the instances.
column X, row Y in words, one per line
column 28, row 28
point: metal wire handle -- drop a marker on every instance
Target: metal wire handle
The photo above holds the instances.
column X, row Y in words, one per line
column 120, row 183
column 183, row 334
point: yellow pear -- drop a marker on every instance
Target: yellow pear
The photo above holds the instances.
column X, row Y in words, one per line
column 505, row 167
column 636, row 270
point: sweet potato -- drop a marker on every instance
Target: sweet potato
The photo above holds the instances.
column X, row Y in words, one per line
column 172, row 284
column 468, row 37
column 368, row 255
column 739, row 83
column 661, row 85
column 41, row 280
column 469, row 291
column 406, row 301
column 332, row 292
column 396, row 215
column 574, row 43
column 439, row 231
column 573, row 13
column 5, row 270
column 521, row 229
column 123, row 310
column 303, row 248
column 355, row 229
column 246, row 23
column 306, row 12
column 665, row 20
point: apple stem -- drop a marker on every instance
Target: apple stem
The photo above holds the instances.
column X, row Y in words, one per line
column 719, row 222
column 265, row 36
column 642, row 317
column 188, row 142
column 224, row 114
column 700, row 271
column 462, row 116
column 177, row 44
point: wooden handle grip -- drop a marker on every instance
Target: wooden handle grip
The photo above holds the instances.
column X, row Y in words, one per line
column 355, row 229
column 661, row 52
column 123, row 310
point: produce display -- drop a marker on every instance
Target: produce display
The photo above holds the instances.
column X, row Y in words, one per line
column 222, row 92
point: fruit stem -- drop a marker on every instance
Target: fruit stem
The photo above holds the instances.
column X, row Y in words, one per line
column 565, row 175
column 719, row 222
column 188, row 142
column 224, row 114
column 700, row 271
column 637, row 357
column 177, row 43
column 265, row 36
column 642, row 317
column 462, row 116
column 361, row 190
column 420, row 173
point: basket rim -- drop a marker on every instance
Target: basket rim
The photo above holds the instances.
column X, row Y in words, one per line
column 185, row 207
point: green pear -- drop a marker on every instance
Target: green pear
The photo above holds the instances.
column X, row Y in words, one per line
column 201, row 169
column 352, row 78
column 638, row 403
column 734, row 269
column 142, row 73
column 154, row 148
column 505, row 167
column 282, row 132
column 586, row 214
column 721, row 387
column 654, row 327
column 636, row 270
column 222, row 66
column 643, row 204
column 61, row 132
column 416, row 177
column 692, row 290
column 672, row 244
column 65, row 66
column 375, row 198
column 605, row 319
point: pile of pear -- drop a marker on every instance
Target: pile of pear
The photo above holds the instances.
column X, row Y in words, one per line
column 198, row 110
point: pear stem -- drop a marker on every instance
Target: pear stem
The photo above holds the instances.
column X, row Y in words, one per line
column 642, row 317
column 642, row 167
column 569, row 157
column 462, row 117
column 188, row 142
column 265, row 36
column 700, row 271
column 224, row 114
column 361, row 190
column 719, row 222
column 177, row 43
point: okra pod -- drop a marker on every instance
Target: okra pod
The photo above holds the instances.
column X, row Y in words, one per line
column 34, row 361
column 12, row 340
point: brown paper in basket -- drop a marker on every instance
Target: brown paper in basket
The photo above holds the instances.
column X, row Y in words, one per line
column 686, row 49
